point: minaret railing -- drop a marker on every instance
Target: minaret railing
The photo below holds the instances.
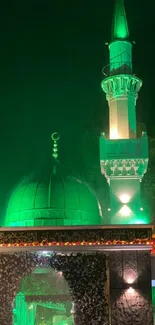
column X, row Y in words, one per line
column 122, row 69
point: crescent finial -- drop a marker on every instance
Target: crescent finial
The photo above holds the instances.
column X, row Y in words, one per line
column 55, row 137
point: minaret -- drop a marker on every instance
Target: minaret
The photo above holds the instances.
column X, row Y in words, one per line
column 123, row 157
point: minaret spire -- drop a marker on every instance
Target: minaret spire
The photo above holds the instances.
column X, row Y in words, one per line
column 120, row 28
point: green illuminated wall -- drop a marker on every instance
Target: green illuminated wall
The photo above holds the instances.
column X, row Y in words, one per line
column 125, row 202
column 153, row 303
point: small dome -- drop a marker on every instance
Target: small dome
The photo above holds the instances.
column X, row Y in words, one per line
column 49, row 198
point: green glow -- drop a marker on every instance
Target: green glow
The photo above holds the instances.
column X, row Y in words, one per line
column 153, row 303
column 47, row 199
column 43, row 310
column 139, row 220
column 120, row 25
column 153, row 299
column 129, row 217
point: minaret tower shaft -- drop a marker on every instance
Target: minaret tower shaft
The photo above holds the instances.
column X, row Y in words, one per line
column 123, row 157
column 122, row 86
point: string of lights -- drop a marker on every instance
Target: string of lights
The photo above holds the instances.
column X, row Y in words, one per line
column 81, row 243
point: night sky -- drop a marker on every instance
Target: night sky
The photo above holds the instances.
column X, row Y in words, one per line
column 52, row 54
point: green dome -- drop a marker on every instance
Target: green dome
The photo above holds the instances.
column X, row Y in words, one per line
column 51, row 199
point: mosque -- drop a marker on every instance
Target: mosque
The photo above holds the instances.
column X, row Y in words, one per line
column 59, row 262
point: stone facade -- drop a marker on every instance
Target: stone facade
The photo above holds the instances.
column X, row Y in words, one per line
column 130, row 288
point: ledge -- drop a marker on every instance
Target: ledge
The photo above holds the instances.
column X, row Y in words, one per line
column 75, row 249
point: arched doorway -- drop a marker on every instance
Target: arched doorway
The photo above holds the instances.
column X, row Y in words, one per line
column 43, row 298
column 15, row 268
column 86, row 276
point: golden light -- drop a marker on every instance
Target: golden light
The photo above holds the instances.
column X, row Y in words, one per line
column 131, row 291
column 124, row 198
column 125, row 211
column 130, row 279
column 114, row 133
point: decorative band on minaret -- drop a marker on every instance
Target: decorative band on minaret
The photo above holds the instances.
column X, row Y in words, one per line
column 123, row 157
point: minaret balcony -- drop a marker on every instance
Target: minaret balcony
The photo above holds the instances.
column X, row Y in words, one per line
column 124, row 157
column 121, row 84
